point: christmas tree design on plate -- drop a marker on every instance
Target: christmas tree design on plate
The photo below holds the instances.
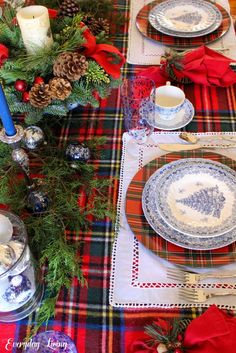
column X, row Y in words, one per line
column 192, row 18
column 207, row 201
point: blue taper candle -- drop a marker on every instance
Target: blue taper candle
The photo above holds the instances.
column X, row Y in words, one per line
column 5, row 115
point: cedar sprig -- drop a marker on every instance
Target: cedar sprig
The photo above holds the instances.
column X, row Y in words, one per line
column 96, row 74
column 44, row 313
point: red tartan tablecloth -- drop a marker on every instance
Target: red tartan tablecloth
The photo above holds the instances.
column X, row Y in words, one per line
column 84, row 313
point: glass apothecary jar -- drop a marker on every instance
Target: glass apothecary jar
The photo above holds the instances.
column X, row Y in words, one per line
column 20, row 288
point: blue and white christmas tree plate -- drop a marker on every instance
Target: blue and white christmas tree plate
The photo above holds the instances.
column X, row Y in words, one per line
column 198, row 197
column 198, row 241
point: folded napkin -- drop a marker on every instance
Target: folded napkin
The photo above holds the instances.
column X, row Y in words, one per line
column 212, row 332
column 202, row 65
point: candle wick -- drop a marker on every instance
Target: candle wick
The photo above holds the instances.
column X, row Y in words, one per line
column 33, row 16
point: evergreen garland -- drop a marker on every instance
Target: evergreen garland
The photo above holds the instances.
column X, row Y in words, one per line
column 68, row 36
column 47, row 232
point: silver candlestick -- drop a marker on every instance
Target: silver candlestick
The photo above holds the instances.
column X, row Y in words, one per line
column 32, row 137
column 19, row 155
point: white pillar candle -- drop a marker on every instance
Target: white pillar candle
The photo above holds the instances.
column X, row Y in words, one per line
column 35, row 27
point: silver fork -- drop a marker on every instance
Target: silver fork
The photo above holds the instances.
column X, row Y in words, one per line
column 200, row 296
column 194, row 278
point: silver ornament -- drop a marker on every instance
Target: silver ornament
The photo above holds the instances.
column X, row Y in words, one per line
column 33, row 137
column 20, row 157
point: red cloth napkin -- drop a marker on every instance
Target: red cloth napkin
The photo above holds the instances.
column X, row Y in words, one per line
column 207, row 67
column 212, row 332
column 202, row 65
column 155, row 73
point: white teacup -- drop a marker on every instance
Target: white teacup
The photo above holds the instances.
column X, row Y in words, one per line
column 169, row 100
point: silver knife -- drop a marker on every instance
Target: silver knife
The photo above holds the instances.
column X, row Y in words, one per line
column 176, row 147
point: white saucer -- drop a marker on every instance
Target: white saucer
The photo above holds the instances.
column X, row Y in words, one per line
column 181, row 119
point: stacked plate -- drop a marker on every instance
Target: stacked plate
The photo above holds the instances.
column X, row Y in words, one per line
column 185, row 18
column 192, row 203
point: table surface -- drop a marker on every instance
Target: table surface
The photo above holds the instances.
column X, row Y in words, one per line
column 84, row 313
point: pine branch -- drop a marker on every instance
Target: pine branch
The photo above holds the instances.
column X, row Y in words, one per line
column 82, row 93
column 33, row 117
column 10, row 34
column 56, row 109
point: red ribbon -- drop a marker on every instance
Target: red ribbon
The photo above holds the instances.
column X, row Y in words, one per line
column 52, row 13
column 103, row 54
column 4, row 53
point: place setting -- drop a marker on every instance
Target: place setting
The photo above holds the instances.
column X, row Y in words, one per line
column 176, row 209
column 182, row 25
column 151, row 233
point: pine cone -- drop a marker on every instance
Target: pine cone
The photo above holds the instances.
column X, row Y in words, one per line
column 40, row 96
column 60, row 88
column 70, row 65
column 96, row 26
column 68, row 8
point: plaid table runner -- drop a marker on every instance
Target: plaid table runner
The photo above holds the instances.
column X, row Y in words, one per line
column 84, row 313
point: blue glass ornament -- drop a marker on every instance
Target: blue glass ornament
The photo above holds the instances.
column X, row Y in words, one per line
column 77, row 152
column 38, row 202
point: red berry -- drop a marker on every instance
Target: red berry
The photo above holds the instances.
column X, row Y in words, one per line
column 25, row 97
column 38, row 80
column 20, row 85
column 180, row 337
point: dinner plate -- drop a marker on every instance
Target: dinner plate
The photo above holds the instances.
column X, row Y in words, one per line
column 154, row 240
column 191, row 34
column 147, row 30
column 196, row 196
column 174, row 236
column 182, row 118
column 185, row 15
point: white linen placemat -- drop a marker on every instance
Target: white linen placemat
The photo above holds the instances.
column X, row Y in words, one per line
column 138, row 276
column 144, row 51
